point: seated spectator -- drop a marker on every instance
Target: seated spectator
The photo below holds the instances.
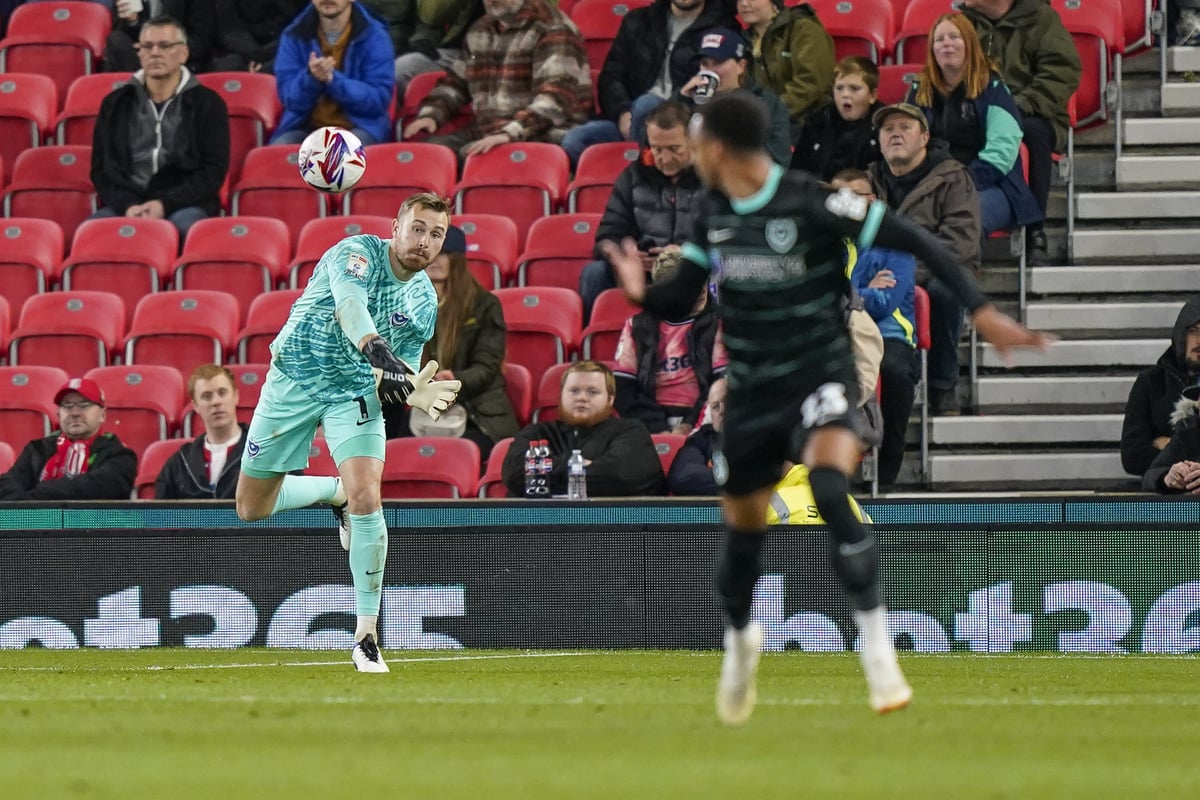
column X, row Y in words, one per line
column 207, row 467
column 840, row 134
column 665, row 367
column 334, row 66
column 886, row 280
column 619, row 453
column 197, row 17
column 654, row 201
column 1154, row 395
column 160, row 148
column 969, row 107
column 691, row 473
column 792, row 502
column 791, row 54
column 248, row 33
column 468, row 343
column 1176, row 470
column 524, row 72
column 427, row 36
column 77, row 462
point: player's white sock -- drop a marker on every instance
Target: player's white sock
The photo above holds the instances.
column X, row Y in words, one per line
column 366, row 625
column 300, row 491
column 873, row 627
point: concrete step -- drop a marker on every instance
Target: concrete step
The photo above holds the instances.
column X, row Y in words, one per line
column 1133, row 353
column 1138, row 171
column 1183, row 59
column 1113, row 316
column 1164, row 131
column 1178, row 97
column 1006, row 429
column 1109, row 244
column 1023, row 390
column 1139, row 205
column 1048, row 470
column 1114, row 280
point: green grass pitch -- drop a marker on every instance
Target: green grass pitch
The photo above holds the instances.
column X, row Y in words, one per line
column 283, row 725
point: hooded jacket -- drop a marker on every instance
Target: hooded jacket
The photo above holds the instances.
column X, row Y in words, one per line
column 1155, row 393
column 111, row 469
column 795, row 60
column 184, row 476
column 1184, row 446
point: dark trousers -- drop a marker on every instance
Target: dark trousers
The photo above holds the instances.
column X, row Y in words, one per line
column 945, row 329
column 898, row 373
column 1039, row 138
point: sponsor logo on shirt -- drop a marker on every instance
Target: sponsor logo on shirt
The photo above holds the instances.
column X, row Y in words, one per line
column 356, row 266
column 718, row 235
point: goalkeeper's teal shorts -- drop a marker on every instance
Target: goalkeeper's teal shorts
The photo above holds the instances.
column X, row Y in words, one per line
column 285, row 423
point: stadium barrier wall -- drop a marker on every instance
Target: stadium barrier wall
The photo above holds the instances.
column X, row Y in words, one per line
column 1101, row 575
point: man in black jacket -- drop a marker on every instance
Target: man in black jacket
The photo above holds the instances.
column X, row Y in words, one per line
column 207, row 467
column 161, row 145
column 619, row 453
column 199, row 17
column 78, row 462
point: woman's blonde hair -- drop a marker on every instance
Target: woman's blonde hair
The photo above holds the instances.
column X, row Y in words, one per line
column 977, row 70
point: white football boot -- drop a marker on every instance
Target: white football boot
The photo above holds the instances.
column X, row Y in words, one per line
column 366, row 656
column 736, row 690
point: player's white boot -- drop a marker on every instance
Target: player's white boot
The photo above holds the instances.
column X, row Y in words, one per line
column 366, row 656
column 736, row 689
column 338, row 504
column 889, row 691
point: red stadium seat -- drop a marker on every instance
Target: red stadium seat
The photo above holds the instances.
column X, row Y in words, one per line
column 1096, row 27
column 150, row 465
column 858, row 27
column 61, row 40
column 414, row 97
column 598, row 21
column 320, row 460
column 430, row 466
column 248, row 379
column 521, row 180
column 52, row 183
column 318, row 235
column 557, row 249
column 143, row 402
column 600, row 337
column 492, row 242
column 254, row 109
column 397, row 170
column 491, row 483
column 596, row 173
column 895, row 80
column 77, row 122
column 128, row 256
column 544, row 324
column 264, row 320
column 549, row 392
column 924, row 342
column 912, row 37
column 30, row 253
column 6, row 316
column 183, row 329
column 27, row 409
column 270, row 186
column 244, row 256
column 667, row 446
column 1137, row 15
column 75, row 331
column 518, row 385
column 7, row 457
column 28, row 104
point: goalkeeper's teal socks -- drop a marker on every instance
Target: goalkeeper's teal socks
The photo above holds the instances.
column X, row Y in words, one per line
column 368, row 555
column 300, row 491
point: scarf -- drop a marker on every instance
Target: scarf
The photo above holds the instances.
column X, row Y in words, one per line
column 71, row 458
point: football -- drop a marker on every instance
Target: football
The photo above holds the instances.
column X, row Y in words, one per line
column 332, row 159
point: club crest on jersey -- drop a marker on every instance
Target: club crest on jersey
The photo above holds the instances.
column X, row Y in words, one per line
column 781, row 235
column 356, row 266
column 845, row 203
column 398, row 319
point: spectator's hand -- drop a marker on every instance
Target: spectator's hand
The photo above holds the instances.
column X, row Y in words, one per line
column 625, row 124
column 151, row 209
column 683, row 429
column 254, row 66
column 444, row 375
column 1005, row 333
column 486, row 143
column 1183, row 476
column 125, row 13
column 690, row 87
column 1160, row 442
column 420, row 125
column 321, row 68
column 884, row 279
column 626, row 262
column 649, row 257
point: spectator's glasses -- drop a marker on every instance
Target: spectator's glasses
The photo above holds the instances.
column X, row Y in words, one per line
column 673, row 149
column 80, row 406
column 166, row 47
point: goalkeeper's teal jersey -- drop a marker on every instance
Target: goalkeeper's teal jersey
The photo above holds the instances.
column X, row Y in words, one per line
column 314, row 351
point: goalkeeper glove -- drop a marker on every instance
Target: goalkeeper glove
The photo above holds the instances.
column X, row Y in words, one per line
column 396, row 382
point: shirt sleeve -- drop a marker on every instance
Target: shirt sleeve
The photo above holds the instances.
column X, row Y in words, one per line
column 349, row 274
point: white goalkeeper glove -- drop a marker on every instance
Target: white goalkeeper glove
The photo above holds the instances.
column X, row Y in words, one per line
column 432, row 397
column 396, row 383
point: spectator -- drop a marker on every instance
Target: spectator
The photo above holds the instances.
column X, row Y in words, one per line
column 1176, row 470
column 160, row 148
column 248, row 33
column 469, row 344
column 792, row 502
column 207, row 467
column 791, row 54
column 886, row 280
column 840, row 135
column 524, row 72
column 427, row 34
column 1039, row 62
column 654, row 201
column 197, row 17
column 619, row 453
column 1152, row 400
column 665, row 366
column 968, row 105
column 691, row 473
column 334, row 67
column 77, row 462
column 655, row 53
column 920, row 180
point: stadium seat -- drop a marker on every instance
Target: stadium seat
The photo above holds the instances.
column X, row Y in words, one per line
column 31, row 251
column 549, row 392
column 77, row 121
column 414, row 97
column 6, row 316
column 75, row 331
column 143, row 402
column 7, row 457
column 264, row 320
column 912, row 36
column 270, row 186
column 244, row 256
column 150, row 465
column 492, row 242
column 521, row 180
column 248, row 379
column 1137, row 16
column 1096, row 27
column 61, row 40
column 254, row 109
column 518, row 385
column 598, row 21
column 397, row 170
column 667, row 445
column 27, row 409
column 28, row 104
column 544, row 324
column 320, row 460
column 894, row 82
column 52, row 183
column 600, row 337
column 596, row 173
column 491, row 482
column 130, row 257
column 858, row 27
column 183, row 329
column 924, row 342
column 430, row 466
column 557, row 249
column 318, row 235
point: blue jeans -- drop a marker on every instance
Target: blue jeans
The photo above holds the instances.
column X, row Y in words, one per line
column 995, row 213
column 298, row 135
column 183, row 218
column 599, row 131
column 945, row 329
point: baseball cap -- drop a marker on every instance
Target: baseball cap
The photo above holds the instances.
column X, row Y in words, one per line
column 907, row 109
column 722, row 44
column 88, row 388
column 455, row 241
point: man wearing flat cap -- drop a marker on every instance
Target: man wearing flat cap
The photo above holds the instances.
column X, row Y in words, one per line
column 76, row 462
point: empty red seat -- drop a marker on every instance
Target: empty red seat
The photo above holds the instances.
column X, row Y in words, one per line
column 318, row 235
column 30, row 255
column 183, row 329
column 544, row 324
column 598, row 21
column 521, row 180
column 52, row 183
column 430, row 466
column 596, row 173
column 61, row 40
column 557, row 249
column 143, row 402
column 77, row 121
column 396, row 170
column 28, row 105
column 1096, row 27
column 27, row 408
column 264, row 320
column 518, row 385
column 492, row 242
column 895, row 80
column 150, row 464
column 244, row 256
column 667, row 446
column 254, row 108
column 599, row 339
column 128, row 256
column 858, row 27
column 72, row 330
column 491, row 483
column 270, row 186
column 912, row 34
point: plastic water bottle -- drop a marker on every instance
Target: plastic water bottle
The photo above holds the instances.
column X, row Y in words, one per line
column 531, row 469
column 545, row 467
column 576, row 477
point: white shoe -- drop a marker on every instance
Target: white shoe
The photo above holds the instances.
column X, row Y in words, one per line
column 366, row 656
column 889, row 691
column 338, row 504
column 736, row 690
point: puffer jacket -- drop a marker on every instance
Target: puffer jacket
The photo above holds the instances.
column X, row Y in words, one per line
column 651, row 208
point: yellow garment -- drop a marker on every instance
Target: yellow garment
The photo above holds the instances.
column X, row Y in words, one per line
column 327, row 111
column 793, row 503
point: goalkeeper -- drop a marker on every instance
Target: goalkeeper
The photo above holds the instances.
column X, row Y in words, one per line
column 364, row 317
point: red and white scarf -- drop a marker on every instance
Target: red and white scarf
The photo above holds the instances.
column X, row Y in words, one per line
column 70, row 458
